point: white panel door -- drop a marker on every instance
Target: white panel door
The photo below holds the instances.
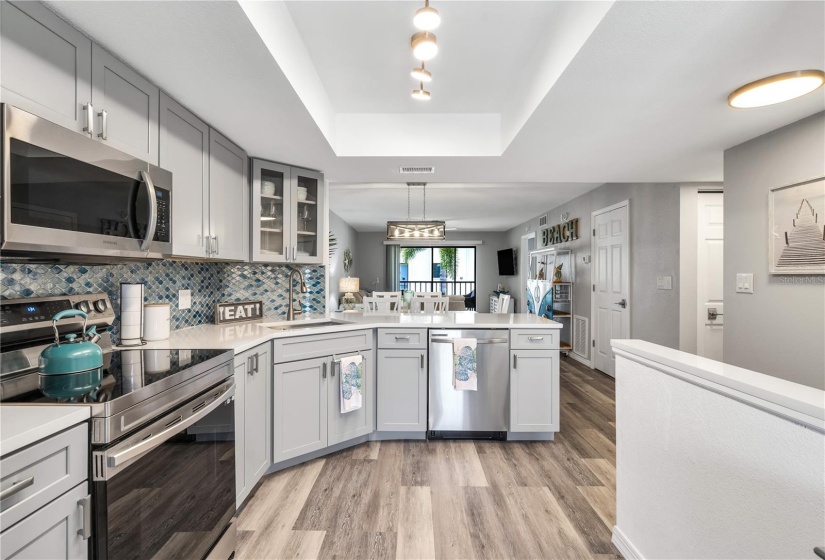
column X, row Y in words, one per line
column 709, row 279
column 126, row 106
column 612, row 284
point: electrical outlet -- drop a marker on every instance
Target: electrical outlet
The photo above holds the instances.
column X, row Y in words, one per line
column 184, row 299
column 586, row 259
column 744, row 283
column 664, row 282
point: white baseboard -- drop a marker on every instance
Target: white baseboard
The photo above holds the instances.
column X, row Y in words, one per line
column 620, row 541
column 580, row 359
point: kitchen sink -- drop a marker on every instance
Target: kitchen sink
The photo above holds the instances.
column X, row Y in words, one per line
column 302, row 326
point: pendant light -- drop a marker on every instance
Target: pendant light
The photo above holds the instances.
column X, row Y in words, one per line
column 776, row 89
column 422, row 74
column 421, row 94
column 426, row 18
column 424, row 45
column 416, row 229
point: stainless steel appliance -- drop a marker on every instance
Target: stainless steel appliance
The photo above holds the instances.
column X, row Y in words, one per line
column 66, row 196
column 484, row 413
column 162, row 433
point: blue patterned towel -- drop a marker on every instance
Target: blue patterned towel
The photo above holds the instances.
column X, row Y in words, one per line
column 465, row 368
column 352, row 382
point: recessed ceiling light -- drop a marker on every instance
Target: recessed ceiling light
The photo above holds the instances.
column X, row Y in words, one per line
column 421, row 93
column 424, row 45
column 427, row 19
column 421, row 74
column 776, row 89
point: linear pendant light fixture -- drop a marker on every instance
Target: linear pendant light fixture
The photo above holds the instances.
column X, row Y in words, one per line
column 776, row 89
column 416, row 229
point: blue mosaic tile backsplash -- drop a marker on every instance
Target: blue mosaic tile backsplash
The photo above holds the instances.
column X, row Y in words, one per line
column 210, row 282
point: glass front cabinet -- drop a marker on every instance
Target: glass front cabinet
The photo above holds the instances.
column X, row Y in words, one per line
column 288, row 214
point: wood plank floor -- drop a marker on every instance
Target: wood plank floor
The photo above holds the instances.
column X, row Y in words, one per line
column 452, row 499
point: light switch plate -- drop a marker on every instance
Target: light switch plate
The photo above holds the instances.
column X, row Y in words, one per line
column 744, row 283
column 184, row 299
column 664, row 282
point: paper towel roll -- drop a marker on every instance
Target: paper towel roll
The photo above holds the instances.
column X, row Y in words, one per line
column 131, row 314
column 156, row 321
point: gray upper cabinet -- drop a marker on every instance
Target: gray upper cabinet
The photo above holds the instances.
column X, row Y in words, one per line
column 184, row 150
column 46, row 64
column 125, row 106
column 228, row 199
column 289, row 214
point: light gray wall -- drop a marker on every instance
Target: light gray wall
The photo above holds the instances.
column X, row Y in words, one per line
column 346, row 237
column 780, row 328
column 372, row 252
column 654, row 251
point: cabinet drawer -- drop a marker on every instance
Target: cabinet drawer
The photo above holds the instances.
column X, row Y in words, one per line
column 402, row 338
column 320, row 345
column 534, row 339
column 46, row 470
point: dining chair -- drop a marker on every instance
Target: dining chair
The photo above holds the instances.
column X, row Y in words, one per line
column 382, row 303
column 429, row 302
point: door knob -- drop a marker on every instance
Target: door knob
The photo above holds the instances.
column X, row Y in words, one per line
column 622, row 303
column 713, row 314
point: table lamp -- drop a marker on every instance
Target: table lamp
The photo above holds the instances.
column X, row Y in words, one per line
column 347, row 286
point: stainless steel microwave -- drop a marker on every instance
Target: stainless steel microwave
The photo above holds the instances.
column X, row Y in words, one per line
column 67, row 197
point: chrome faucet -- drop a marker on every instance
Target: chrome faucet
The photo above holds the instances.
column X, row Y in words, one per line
column 291, row 312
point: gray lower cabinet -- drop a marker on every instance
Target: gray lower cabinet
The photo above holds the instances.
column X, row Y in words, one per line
column 300, row 407
column 402, row 390
column 184, row 150
column 45, row 508
column 126, row 107
column 228, row 199
column 534, row 390
column 346, row 426
column 307, row 393
column 252, row 412
column 58, row 530
column 47, row 64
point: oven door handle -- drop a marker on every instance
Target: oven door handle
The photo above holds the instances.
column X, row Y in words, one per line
column 153, row 211
column 118, row 459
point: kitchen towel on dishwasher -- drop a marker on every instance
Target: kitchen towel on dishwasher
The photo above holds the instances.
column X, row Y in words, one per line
column 465, row 371
column 352, row 368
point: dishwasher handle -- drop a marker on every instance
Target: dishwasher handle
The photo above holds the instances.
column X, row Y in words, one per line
column 478, row 341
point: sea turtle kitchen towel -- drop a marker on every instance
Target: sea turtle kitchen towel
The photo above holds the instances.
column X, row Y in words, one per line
column 465, row 371
column 352, row 379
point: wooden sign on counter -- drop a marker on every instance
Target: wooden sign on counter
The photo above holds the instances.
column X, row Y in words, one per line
column 238, row 311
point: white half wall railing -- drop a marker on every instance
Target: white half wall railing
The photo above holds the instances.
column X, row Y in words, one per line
column 715, row 461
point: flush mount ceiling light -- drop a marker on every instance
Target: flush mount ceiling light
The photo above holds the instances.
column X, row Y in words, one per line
column 416, row 229
column 421, row 94
column 424, row 46
column 776, row 89
column 426, row 19
column 421, row 74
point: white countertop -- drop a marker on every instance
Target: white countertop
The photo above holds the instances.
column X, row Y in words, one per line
column 803, row 403
column 22, row 425
column 243, row 336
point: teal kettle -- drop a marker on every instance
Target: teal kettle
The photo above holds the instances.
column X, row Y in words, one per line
column 72, row 355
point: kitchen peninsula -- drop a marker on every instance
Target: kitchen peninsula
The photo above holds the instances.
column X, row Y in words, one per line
column 288, row 374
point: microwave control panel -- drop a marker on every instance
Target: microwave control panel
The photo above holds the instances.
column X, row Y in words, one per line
column 162, row 230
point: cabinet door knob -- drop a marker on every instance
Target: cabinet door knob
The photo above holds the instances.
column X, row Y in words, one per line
column 90, row 118
column 324, row 371
column 104, row 125
column 422, row 360
column 85, row 504
column 515, row 361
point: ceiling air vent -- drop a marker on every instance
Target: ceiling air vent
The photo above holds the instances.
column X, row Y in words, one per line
column 420, row 169
column 543, row 221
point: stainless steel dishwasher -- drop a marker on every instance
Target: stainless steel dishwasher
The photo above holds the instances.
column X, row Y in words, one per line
column 484, row 413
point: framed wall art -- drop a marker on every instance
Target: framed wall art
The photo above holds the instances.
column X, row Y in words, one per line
column 797, row 228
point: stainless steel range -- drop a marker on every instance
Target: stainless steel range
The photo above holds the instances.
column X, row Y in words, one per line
column 162, row 432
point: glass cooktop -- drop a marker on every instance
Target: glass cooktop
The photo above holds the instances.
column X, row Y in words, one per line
column 124, row 373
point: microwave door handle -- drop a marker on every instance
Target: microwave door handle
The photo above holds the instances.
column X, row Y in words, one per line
column 119, row 459
column 153, row 211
